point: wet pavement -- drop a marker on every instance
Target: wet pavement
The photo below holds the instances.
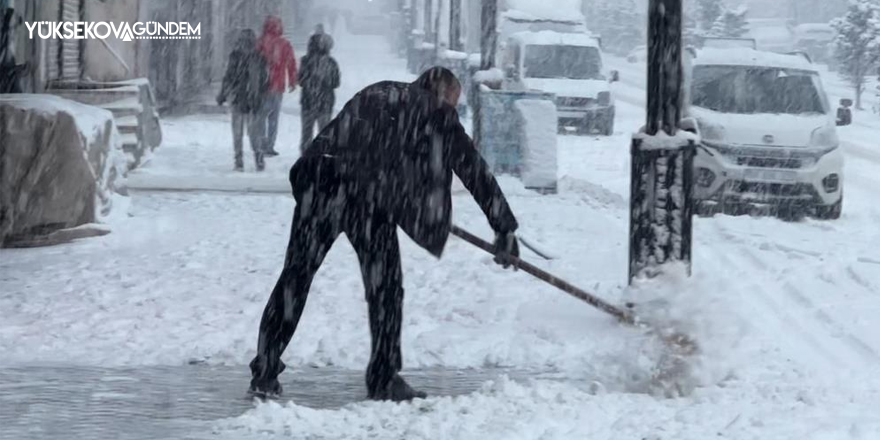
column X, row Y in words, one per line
column 59, row 402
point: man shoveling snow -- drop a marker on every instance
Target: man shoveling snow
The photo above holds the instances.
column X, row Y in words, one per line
column 385, row 161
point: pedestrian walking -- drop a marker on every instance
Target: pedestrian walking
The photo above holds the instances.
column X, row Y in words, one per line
column 318, row 77
column 282, row 76
column 385, row 161
column 247, row 82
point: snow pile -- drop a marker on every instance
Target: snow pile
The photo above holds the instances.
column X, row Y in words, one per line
column 538, row 148
column 664, row 141
column 453, row 55
column 507, row 410
column 493, row 75
column 697, row 308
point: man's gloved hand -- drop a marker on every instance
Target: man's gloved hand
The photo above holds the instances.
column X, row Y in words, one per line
column 506, row 245
column 220, row 100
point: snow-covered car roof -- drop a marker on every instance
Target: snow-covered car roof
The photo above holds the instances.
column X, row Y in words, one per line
column 750, row 57
column 554, row 10
column 551, row 38
column 814, row 27
column 814, row 31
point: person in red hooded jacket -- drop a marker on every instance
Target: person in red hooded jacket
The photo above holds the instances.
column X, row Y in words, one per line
column 282, row 76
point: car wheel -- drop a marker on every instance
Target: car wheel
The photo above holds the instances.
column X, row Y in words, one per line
column 830, row 212
column 608, row 123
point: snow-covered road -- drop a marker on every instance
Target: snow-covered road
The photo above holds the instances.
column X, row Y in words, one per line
column 786, row 312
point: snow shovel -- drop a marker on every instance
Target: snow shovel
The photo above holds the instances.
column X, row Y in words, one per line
column 683, row 344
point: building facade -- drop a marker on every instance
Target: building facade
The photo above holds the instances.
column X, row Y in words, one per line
column 179, row 70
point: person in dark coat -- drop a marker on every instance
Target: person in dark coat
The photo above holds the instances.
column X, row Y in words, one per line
column 247, row 82
column 318, row 77
column 385, row 161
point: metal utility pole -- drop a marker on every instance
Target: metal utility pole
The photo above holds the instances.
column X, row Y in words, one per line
column 489, row 36
column 437, row 29
column 661, row 204
column 429, row 20
column 488, row 44
column 455, row 25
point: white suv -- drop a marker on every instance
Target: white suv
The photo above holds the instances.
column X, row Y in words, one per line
column 769, row 140
column 568, row 65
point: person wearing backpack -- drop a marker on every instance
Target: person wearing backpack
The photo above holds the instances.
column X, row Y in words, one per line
column 247, row 82
column 319, row 77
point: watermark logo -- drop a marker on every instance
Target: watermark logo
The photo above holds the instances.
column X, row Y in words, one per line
column 101, row 30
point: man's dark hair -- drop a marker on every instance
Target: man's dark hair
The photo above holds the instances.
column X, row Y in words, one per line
column 439, row 82
column 436, row 79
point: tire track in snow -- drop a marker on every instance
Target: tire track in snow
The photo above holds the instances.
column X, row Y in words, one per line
column 852, row 347
column 771, row 320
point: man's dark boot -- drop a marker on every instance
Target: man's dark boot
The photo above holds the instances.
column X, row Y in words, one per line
column 264, row 378
column 397, row 390
column 265, row 389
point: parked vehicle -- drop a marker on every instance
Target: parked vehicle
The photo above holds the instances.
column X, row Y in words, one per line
column 768, row 135
column 815, row 39
column 773, row 35
column 569, row 66
column 638, row 55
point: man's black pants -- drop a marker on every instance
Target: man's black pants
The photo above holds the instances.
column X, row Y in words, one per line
column 325, row 209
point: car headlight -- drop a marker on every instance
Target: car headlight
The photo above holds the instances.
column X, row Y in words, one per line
column 824, row 137
column 604, row 98
column 831, row 183
column 705, row 177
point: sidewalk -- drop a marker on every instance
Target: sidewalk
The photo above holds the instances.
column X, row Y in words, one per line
column 197, row 153
column 94, row 403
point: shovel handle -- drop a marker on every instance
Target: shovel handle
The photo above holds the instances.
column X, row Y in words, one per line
column 621, row 314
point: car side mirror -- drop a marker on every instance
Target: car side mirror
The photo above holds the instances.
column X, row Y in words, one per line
column 511, row 72
column 844, row 114
column 615, row 76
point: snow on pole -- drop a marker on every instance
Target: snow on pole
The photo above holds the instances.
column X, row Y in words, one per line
column 489, row 35
column 455, row 26
column 661, row 205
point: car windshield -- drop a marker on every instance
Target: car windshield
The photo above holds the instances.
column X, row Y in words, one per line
column 750, row 89
column 572, row 62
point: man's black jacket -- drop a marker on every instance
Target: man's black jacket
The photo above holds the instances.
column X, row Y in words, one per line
column 318, row 76
column 246, row 78
column 396, row 147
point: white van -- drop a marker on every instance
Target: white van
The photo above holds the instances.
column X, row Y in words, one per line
column 769, row 136
column 568, row 65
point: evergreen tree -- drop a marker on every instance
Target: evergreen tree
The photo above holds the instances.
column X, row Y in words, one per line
column 708, row 12
column 857, row 45
column 690, row 31
column 620, row 23
column 731, row 24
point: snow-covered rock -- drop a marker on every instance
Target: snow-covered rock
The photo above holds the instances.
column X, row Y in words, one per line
column 61, row 165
